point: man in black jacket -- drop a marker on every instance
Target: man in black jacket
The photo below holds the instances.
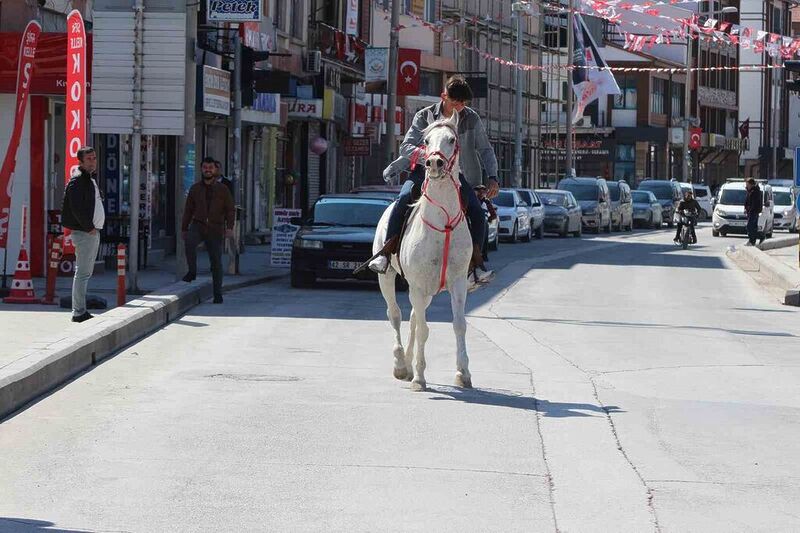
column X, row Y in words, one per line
column 753, row 204
column 83, row 214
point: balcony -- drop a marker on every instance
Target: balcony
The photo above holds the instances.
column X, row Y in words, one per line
column 346, row 51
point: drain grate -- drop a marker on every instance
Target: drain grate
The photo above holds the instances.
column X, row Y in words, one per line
column 254, row 377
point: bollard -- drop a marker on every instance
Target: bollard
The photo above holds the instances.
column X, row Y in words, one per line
column 121, row 275
column 52, row 271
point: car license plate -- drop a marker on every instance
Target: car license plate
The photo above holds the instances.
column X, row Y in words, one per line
column 737, row 223
column 343, row 265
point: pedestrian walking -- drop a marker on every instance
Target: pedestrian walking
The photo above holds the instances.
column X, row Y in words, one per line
column 222, row 178
column 207, row 218
column 753, row 204
column 83, row 214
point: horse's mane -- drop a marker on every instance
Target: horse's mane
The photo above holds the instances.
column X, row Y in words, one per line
column 441, row 122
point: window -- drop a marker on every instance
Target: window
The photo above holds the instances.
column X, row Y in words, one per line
column 658, row 100
column 430, row 10
column 297, row 20
column 280, row 16
column 678, row 99
column 430, row 83
column 627, row 97
column 625, row 162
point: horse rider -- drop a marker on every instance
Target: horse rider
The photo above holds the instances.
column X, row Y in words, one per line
column 476, row 156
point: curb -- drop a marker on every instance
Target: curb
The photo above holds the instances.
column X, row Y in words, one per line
column 782, row 242
column 779, row 274
column 42, row 370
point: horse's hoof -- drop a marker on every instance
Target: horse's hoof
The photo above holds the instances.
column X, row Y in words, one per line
column 401, row 374
column 418, row 386
column 464, row 383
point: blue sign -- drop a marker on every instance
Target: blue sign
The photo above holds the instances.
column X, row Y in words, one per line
column 265, row 102
column 234, row 10
column 188, row 169
column 111, row 173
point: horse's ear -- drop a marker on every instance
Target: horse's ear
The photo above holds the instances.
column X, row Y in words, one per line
column 454, row 118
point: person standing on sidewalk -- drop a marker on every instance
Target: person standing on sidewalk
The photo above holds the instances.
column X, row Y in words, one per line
column 753, row 204
column 82, row 212
column 207, row 217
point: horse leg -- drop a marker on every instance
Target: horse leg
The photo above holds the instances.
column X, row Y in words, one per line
column 395, row 316
column 420, row 303
column 458, row 300
column 412, row 330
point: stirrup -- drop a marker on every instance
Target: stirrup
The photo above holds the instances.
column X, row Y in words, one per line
column 379, row 270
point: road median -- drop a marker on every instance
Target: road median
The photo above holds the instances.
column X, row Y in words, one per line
column 83, row 346
column 777, row 273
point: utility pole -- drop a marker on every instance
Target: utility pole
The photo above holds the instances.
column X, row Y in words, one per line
column 518, row 9
column 391, row 85
column 136, row 167
column 687, row 102
column 237, row 146
column 186, row 171
column 570, row 170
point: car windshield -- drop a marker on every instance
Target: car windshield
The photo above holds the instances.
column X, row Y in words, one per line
column 733, row 197
column 783, row 198
column 581, row 191
column 641, row 197
column 663, row 191
column 559, row 200
column 614, row 188
column 504, row 199
column 348, row 212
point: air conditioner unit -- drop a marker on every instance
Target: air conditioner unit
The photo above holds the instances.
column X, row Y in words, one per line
column 584, row 122
column 314, row 62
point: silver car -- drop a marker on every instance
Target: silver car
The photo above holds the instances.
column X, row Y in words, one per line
column 647, row 210
column 785, row 212
column 536, row 211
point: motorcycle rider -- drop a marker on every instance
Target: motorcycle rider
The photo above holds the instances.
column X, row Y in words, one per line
column 477, row 157
column 687, row 206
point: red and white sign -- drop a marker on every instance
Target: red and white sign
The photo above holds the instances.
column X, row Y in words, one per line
column 76, row 101
column 358, row 116
column 351, row 23
column 27, row 53
column 50, row 63
column 255, row 39
column 408, row 62
column 695, row 138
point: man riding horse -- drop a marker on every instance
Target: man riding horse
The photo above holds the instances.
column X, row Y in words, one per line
column 475, row 151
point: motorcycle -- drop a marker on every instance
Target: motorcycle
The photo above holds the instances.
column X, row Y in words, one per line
column 688, row 221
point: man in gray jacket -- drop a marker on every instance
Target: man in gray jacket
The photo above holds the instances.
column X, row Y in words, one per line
column 476, row 157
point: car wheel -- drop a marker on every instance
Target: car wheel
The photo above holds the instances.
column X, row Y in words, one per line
column 493, row 245
column 608, row 228
column 714, row 233
column 565, row 230
column 540, row 232
column 300, row 280
column 578, row 233
column 529, row 235
column 630, row 225
column 514, row 233
column 724, row 234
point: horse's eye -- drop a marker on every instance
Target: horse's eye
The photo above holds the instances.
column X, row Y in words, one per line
column 427, row 141
column 452, row 140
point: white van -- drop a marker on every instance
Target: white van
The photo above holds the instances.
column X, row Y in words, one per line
column 729, row 216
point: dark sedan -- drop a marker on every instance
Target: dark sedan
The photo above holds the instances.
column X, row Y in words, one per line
column 337, row 238
column 562, row 213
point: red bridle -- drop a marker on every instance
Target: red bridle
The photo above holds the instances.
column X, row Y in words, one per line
column 452, row 221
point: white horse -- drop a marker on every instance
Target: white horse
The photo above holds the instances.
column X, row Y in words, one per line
column 434, row 256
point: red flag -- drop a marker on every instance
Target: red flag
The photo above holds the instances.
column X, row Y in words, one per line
column 695, row 138
column 27, row 53
column 76, row 101
column 408, row 62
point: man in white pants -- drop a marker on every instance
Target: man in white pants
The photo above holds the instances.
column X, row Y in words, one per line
column 83, row 213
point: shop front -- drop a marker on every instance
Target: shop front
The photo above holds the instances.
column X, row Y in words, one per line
column 593, row 156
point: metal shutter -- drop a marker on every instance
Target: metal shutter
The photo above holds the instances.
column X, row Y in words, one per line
column 313, row 165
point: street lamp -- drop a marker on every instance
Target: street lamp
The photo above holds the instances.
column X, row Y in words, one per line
column 518, row 9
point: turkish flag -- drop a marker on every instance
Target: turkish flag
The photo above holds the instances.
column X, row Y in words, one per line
column 408, row 62
column 695, row 138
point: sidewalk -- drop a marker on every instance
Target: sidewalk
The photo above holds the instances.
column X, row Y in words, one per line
column 36, row 337
column 787, row 256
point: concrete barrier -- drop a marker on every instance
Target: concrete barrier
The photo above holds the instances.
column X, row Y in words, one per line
column 778, row 273
column 780, row 242
column 44, row 369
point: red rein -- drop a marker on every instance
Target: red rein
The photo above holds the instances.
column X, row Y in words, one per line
column 453, row 221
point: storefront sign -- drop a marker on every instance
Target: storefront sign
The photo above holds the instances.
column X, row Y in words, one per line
column 111, row 173
column 357, row 146
column 27, row 53
column 216, row 91
column 305, row 108
column 188, row 169
column 283, row 232
column 76, row 101
column 50, row 63
column 695, row 138
column 676, row 135
column 375, row 64
column 334, row 107
column 255, row 39
column 351, row 22
column 233, row 10
column 266, row 109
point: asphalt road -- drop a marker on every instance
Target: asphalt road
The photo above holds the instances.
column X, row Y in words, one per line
column 622, row 384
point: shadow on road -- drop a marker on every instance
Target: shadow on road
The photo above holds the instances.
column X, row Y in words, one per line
column 25, row 525
column 498, row 398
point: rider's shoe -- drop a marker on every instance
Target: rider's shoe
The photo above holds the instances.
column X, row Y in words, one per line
column 676, row 240
column 379, row 265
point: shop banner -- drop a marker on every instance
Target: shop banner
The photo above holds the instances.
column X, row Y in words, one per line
column 376, row 61
column 76, row 101
column 111, row 173
column 283, row 232
column 233, row 10
column 351, row 27
column 27, row 53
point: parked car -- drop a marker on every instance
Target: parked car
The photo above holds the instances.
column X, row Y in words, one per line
column 535, row 209
column 703, row 196
column 621, row 205
column 337, row 238
column 493, row 230
column 647, row 210
column 785, row 210
column 729, row 216
column 669, row 195
column 513, row 215
column 593, row 196
column 562, row 213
